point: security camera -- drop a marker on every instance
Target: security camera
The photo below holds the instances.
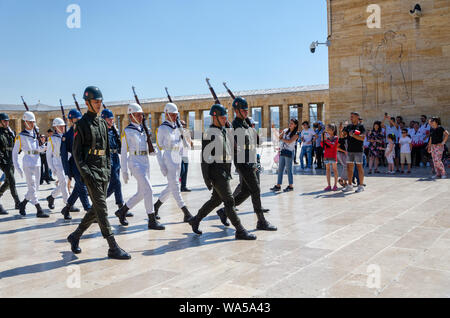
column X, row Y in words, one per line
column 416, row 12
column 315, row 44
column 313, row 47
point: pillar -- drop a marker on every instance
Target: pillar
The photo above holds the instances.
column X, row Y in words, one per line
column 155, row 122
column 265, row 117
column 305, row 113
column 198, row 120
column 284, row 116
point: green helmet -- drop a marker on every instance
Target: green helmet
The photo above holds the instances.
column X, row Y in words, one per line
column 218, row 110
column 240, row 103
column 92, row 92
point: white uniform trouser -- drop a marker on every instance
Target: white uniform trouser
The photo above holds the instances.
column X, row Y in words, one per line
column 173, row 181
column 62, row 184
column 33, row 178
column 144, row 189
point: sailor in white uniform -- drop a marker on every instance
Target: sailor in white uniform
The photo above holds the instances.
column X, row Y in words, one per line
column 170, row 144
column 28, row 142
column 134, row 157
column 55, row 164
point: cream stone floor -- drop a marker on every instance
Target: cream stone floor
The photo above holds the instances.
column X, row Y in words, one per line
column 390, row 241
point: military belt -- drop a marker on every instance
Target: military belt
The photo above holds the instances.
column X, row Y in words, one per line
column 32, row 152
column 97, row 152
column 8, row 149
column 140, row 153
column 114, row 150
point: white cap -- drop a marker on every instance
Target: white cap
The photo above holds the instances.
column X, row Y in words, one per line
column 134, row 108
column 171, row 108
column 29, row 116
column 58, row 122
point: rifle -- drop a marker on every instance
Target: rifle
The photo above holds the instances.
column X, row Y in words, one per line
column 216, row 99
column 76, row 103
column 144, row 124
column 178, row 122
column 35, row 129
column 229, row 91
column 213, row 93
column 234, row 97
column 115, row 132
column 63, row 113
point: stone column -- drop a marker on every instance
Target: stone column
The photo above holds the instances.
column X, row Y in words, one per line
column 198, row 120
column 155, row 122
column 305, row 113
column 265, row 117
column 284, row 115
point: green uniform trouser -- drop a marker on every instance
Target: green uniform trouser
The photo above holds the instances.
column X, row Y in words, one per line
column 249, row 186
column 10, row 182
column 97, row 192
column 221, row 193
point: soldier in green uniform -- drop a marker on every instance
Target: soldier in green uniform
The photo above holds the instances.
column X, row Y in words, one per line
column 7, row 137
column 245, row 139
column 216, row 170
column 92, row 157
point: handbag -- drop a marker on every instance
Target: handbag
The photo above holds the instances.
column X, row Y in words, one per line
column 286, row 153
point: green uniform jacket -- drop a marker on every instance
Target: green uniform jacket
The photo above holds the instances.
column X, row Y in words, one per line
column 215, row 163
column 245, row 146
column 7, row 138
column 91, row 134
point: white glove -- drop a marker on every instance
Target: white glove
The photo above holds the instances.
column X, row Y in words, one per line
column 20, row 171
column 125, row 177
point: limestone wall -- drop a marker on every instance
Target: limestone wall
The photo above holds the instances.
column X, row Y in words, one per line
column 402, row 68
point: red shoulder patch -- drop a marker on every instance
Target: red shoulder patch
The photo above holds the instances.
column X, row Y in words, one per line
column 76, row 133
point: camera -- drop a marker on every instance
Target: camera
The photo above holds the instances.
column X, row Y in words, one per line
column 313, row 47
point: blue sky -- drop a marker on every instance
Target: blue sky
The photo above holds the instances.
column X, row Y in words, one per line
column 151, row 44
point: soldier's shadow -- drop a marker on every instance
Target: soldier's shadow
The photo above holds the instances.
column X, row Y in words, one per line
column 57, row 223
column 68, row 258
column 191, row 241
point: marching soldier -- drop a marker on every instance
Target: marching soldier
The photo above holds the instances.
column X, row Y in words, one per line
column 55, row 163
column 115, row 146
column 92, row 157
column 7, row 137
column 134, row 156
column 28, row 142
column 71, row 170
column 216, row 170
column 169, row 140
column 245, row 161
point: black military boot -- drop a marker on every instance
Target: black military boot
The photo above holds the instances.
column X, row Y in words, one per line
column 129, row 214
column 40, row 213
column 263, row 224
column 187, row 215
column 74, row 209
column 17, row 204
column 22, row 206
column 223, row 216
column 242, row 234
column 115, row 251
column 157, row 206
column 51, row 202
column 122, row 214
column 153, row 223
column 66, row 212
column 74, row 240
column 2, row 210
column 195, row 223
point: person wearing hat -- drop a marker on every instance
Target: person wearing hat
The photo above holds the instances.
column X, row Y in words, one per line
column 71, row 170
column 170, row 141
column 134, row 157
column 93, row 159
column 115, row 146
column 55, row 164
column 216, row 171
column 245, row 161
column 7, row 137
column 28, row 142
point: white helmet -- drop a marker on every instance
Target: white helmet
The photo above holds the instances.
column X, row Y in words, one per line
column 58, row 122
column 134, row 108
column 171, row 108
column 29, row 116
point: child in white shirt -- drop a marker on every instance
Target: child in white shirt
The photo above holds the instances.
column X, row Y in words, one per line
column 390, row 153
column 405, row 150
